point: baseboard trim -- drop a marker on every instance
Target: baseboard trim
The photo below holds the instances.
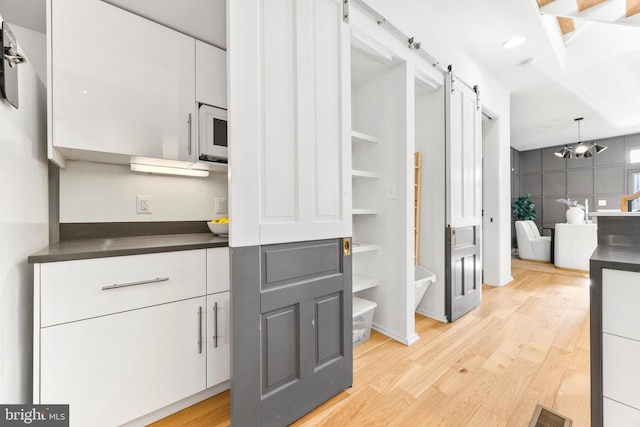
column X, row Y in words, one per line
column 403, row 340
column 177, row 406
column 503, row 282
column 434, row 316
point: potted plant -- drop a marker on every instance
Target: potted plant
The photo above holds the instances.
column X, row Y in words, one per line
column 575, row 211
column 524, row 209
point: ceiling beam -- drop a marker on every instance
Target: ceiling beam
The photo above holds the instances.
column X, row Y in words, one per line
column 544, row 2
column 633, row 7
column 566, row 25
column 586, row 4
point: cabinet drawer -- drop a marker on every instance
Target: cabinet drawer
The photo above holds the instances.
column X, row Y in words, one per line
column 618, row 415
column 113, row 369
column 620, row 302
column 621, row 369
column 74, row 290
column 217, row 270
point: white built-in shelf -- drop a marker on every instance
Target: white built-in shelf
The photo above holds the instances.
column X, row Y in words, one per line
column 359, row 247
column 360, row 174
column 362, row 139
column 360, row 283
column 356, row 211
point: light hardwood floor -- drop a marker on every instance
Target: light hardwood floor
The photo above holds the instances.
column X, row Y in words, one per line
column 527, row 344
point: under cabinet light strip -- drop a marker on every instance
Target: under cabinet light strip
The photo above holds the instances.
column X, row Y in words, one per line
column 166, row 170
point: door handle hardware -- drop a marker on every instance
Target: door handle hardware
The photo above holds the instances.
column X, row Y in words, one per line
column 215, row 325
column 200, row 329
column 346, row 246
column 142, row 282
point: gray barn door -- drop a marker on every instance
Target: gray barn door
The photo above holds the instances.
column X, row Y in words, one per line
column 463, row 281
column 297, row 353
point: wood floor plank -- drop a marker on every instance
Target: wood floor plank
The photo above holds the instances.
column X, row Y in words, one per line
column 523, row 412
column 570, row 400
column 505, row 396
column 422, row 410
column 502, row 358
column 549, row 378
column 527, row 344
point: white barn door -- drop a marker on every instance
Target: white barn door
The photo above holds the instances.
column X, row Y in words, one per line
column 290, row 207
column 463, row 287
column 289, row 120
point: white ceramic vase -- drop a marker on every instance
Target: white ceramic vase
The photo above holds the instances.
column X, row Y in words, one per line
column 575, row 215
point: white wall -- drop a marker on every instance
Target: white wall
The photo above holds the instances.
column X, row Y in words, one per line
column 426, row 26
column 23, row 228
column 98, row 192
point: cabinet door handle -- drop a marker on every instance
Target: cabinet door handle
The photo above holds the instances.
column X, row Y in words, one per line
column 215, row 325
column 189, row 139
column 200, row 329
column 142, row 282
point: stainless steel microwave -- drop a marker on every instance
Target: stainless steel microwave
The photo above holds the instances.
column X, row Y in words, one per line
column 212, row 134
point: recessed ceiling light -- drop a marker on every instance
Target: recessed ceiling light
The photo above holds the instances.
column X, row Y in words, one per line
column 513, row 42
column 527, row 63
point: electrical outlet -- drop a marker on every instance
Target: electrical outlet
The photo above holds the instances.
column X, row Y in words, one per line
column 221, row 205
column 602, row 203
column 143, row 204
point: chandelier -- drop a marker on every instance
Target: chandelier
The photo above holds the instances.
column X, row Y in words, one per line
column 581, row 150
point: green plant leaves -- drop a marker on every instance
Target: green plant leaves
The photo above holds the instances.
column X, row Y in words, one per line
column 524, row 209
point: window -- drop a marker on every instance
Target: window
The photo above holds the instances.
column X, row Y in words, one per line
column 634, row 155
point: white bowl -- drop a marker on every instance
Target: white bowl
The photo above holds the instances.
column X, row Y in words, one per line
column 217, row 228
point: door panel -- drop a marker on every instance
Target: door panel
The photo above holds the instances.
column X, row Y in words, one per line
column 303, row 355
column 328, row 328
column 292, row 177
column 463, row 284
column 463, row 281
column 281, row 348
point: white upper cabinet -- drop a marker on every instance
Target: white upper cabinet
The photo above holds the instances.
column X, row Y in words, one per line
column 211, row 75
column 289, row 124
column 119, row 83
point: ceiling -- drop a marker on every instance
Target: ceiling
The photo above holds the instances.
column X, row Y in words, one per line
column 591, row 72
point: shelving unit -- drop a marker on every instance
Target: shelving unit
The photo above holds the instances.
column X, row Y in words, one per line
column 365, row 211
column 360, row 283
column 360, row 174
column 359, row 138
column 365, row 180
column 360, row 247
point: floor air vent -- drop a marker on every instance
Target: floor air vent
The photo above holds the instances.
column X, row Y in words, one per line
column 543, row 417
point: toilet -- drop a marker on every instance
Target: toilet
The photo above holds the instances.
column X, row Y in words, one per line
column 423, row 278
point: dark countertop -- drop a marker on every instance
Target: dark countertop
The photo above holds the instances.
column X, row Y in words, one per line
column 101, row 248
column 618, row 257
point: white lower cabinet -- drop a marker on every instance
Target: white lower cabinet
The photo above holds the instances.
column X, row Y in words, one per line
column 616, row 414
column 115, row 368
column 620, row 348
column 121, row 337
column 218, row 338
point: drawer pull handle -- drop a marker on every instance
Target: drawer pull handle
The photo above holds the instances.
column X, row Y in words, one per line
column 215, row 325
column 200, row 329
column 142, row 282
